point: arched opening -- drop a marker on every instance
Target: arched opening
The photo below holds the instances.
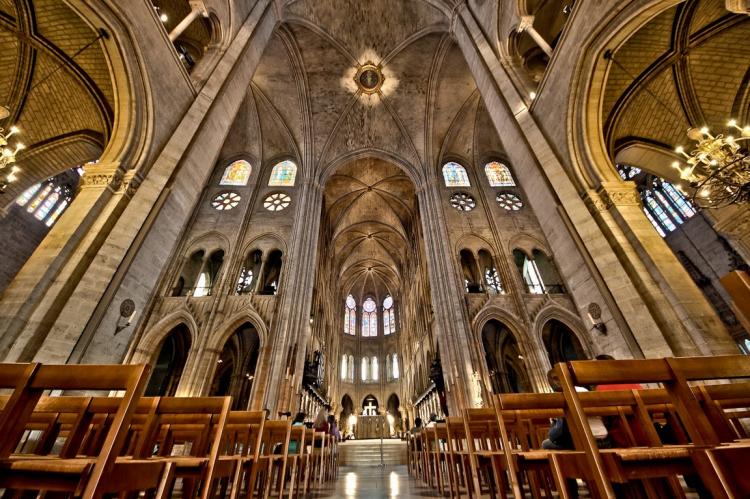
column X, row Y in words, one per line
column 271, row 274
column 347, row 411
column 548, row 272
column 529, row 272
column 209, row 274
column 470, row 272
column 392, row 408
column 370, row 406
column 167, row 371
column 189, row 274
column 249, row 273
column 491, row 277
column 561, row 343
column 505, row 362
column 236, row 366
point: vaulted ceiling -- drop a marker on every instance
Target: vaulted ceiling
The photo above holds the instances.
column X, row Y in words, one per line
column 370, row 206
column 687, row 67
column 58, row 90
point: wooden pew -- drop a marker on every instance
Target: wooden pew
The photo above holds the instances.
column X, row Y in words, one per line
column 89, row 477
column 712, row 457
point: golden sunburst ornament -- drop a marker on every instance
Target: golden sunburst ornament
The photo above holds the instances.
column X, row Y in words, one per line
column 369, row 78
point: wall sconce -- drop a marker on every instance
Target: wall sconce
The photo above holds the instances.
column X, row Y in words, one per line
column 595, row 316
column 127, row 314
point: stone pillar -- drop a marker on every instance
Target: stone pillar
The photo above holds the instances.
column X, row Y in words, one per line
column 527, row 25
column 80, row 312
column 643, row 317
column 292, row 326
column 197, row 9
column 452, row 330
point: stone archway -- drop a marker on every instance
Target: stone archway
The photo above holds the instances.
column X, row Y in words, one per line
column 561, row 343
column 505, row 362
column 170, row 362
column 236, row 366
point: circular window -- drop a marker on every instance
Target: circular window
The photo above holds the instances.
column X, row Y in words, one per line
column 369, row 78
column 463, row 201
column 369, row 305
column 277, row 201
column 509, row 201
column 226, row 201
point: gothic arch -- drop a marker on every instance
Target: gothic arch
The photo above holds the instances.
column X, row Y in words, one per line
column 227, row 328
column 209, row 242
column 149, row 343
column 266, row 242
column 588, row 89
column 415, row 173
column 571, row 321
column 527, row 243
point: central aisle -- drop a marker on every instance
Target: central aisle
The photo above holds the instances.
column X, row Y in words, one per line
column 374, row 482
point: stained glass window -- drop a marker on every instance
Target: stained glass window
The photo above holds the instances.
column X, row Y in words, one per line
column 498, row 175
column 244, row 282
column 58, row 211
column 678, row 199
column 455, row 175
column 344, row 366
column 369, row 318
column 374, row 370
column 27, row 195
column 365, row 370
column 396, row 372
column 351, row 367
column 666, row 204
column 389, row 316
column 628, row 172
column 39, row 198
column 660, row 216
column 350, row 316
column 237, row 173
column 283, row 174
column 492, row 279
column 654, row 223
column 48, row 204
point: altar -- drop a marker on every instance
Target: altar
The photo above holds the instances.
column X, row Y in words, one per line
column 371, row 427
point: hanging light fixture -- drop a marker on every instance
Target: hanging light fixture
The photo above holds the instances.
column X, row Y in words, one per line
column 717, row 168
column 8, row 168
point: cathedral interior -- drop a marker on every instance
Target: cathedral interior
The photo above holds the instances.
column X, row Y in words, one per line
column 393, row 207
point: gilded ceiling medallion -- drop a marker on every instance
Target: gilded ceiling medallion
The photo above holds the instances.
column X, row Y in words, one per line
column 369, row 78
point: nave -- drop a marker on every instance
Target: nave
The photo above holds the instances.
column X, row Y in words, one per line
column 374, row 482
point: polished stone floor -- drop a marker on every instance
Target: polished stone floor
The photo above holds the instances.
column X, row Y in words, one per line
column 374, row 482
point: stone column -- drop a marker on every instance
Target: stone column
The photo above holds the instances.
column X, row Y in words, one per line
column 132, row 255
column 197, row 9
column 645, row 317
column 527, row 25
column 453, row 333
column 292, row 326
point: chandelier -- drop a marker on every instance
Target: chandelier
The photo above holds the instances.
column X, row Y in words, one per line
column 8, row 168
column 718, row 168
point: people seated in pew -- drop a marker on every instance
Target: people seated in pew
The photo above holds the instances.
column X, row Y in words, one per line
column 615, row 386
column 333, row 428
column 433, row 420
column 321, row 420
column 417, row 426
column 559, row 435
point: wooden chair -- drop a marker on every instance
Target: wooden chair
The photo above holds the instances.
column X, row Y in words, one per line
column 242, row 440
column 488, row 455
column 196, row 423
column 297, row 460
column 89, row 477
column 713, row 459
column 272, row 460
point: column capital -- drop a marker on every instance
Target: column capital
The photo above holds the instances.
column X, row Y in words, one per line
column 200, row 6
column 612, row 194
column 525, row 22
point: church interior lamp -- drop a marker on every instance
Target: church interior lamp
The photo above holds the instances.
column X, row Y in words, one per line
column 718, row 168
column 8, row 168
